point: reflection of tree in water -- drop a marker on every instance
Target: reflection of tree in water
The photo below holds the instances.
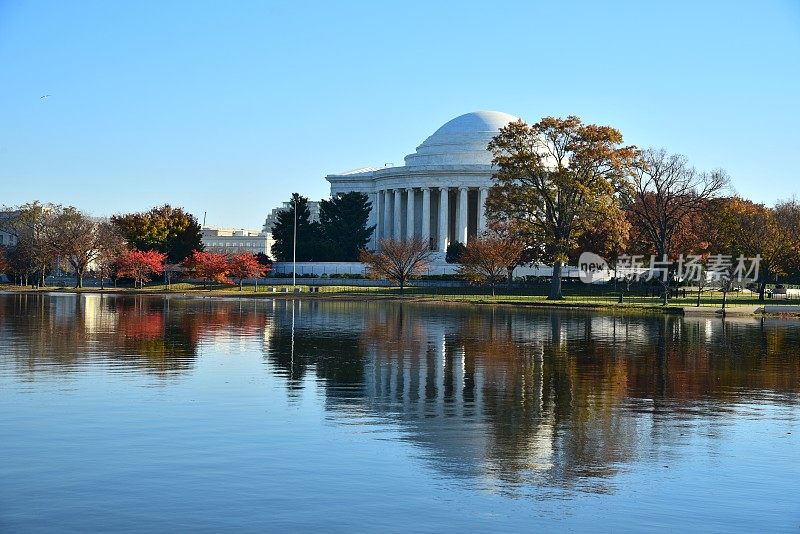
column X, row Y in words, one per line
column 532, row 397
column 298, row 343
column 518, row 397
column 160, row 335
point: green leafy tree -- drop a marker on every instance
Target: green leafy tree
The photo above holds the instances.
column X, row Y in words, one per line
column 165, row 229
column 554, row 178
column 308, row 232
column 343, row 226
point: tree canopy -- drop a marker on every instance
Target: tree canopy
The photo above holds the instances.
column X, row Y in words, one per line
column 308, row 232
column 553, row 179
column 397, row 260
column 343, row 226
column 490, row 258
column 164, row 229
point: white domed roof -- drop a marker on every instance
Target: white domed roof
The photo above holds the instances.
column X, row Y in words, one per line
column 461, row 141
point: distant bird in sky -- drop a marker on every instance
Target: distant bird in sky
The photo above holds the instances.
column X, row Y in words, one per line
column 43, row 97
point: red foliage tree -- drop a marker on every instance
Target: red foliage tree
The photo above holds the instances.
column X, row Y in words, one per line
column 139, row 265
column 208, row 266
column 246, row 265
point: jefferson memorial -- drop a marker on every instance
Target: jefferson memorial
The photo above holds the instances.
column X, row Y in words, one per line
column 440, row 192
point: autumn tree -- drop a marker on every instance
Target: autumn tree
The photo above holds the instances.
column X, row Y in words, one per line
column 788, row 213
column 19, row 263
column 745, row 228
column 607, row 236
column 164, row 229
column 553, row 179
column 112, row 246
column 33, row 227
column 666, row 195
column 82, row 240
column 4, row 264
column 487, row 258
column 139, row 265
column 343, row 225
column 308, row 232
column 246, row 265
column 208, row 266
column 397, row 260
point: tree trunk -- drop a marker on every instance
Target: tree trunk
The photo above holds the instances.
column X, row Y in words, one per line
column 240, row 284
column 665, row 288
column 555, row 283
column 699, row 291
column 762, row 289
column 79, row 279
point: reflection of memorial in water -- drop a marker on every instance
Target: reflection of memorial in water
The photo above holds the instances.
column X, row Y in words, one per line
column 501, row 395
column 518, row 396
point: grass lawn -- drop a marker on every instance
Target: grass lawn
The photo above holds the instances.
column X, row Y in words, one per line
column 574, row 294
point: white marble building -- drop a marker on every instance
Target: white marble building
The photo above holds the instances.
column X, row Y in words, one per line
column 440, row 192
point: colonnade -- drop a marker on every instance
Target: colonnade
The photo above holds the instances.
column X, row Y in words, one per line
column 426, row 213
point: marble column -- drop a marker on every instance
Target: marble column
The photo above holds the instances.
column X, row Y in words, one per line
column 373, row 218
column 410, row 213
column 398, row 214
column 484, row 192
column 425, row 229
column 444, row 216
column 461, row 225
column 387, row 214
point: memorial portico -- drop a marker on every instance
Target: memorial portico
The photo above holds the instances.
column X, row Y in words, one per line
column 440, row 193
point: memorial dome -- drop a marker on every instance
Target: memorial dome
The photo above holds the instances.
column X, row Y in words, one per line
column 461, row 141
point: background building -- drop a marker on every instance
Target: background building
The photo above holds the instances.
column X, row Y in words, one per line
column 313, row 208
column 235, row 240
column 440, row 192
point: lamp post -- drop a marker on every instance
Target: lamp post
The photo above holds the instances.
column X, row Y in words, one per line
column 294, row 247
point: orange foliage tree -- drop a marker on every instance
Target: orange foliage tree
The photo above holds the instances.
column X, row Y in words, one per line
column 742, row 227
column 139, row 265
column 490, row 258
column 553, row 179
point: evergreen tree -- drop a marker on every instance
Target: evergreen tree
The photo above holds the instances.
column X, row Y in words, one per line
column 454, row 252
column 343, row 224
column 308, row 232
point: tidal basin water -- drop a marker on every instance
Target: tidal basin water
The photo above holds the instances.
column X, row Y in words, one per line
column 146, row 414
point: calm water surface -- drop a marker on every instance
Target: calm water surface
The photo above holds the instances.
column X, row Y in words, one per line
column 151, row 414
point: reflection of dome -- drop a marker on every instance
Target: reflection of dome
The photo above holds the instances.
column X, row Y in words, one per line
column 462, row 141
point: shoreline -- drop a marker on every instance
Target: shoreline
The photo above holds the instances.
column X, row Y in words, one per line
column 472, row 300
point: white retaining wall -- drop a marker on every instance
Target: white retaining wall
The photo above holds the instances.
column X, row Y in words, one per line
column 331, row 268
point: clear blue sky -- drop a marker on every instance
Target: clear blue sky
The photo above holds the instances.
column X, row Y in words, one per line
column 228, row 107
